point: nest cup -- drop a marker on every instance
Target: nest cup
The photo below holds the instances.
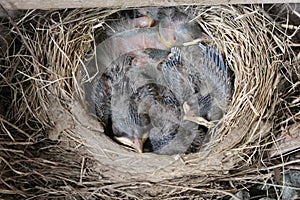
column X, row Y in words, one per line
column 46, row 74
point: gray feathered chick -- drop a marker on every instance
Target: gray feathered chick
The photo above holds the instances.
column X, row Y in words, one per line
column 200, row 80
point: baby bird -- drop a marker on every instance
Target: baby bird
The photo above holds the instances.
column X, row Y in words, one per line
column 133, row 123
column 201, row 82
column 162, row 97
column 213, row 84
column 129, row 126
column 164, row 30
column 163, row 110
column 151, row 90
column 173, row 137
column 128, row 97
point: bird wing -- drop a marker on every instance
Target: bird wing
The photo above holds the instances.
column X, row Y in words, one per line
column 101, row 96
column 176, row 142
column 210, row 75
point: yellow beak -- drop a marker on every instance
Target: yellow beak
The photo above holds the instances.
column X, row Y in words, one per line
column 136, row 143
column 196, row 119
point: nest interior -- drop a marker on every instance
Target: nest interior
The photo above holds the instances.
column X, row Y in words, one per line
column 51, row 146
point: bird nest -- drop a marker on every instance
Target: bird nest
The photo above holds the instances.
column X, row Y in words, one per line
column 52, row 146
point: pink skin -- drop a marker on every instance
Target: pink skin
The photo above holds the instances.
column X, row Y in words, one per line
column 140, row 59
column 143, row 22
column 146, row 35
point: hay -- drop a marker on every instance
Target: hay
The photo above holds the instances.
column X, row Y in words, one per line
column 51, row 146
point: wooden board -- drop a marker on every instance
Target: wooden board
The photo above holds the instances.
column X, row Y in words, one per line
column 54, row 4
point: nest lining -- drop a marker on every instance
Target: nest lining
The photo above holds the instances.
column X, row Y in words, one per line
column 53, row 73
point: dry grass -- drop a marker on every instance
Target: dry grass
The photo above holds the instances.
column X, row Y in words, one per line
column 51, row 147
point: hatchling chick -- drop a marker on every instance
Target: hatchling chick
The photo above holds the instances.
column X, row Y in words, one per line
column 163, row 31
column 200, row 80
column 176, row 136
column 205, row 77
column 137, row 119
column 176, row 76
column 128, row 125
column 213, row 83
column 144, row 100
column 133, row 90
